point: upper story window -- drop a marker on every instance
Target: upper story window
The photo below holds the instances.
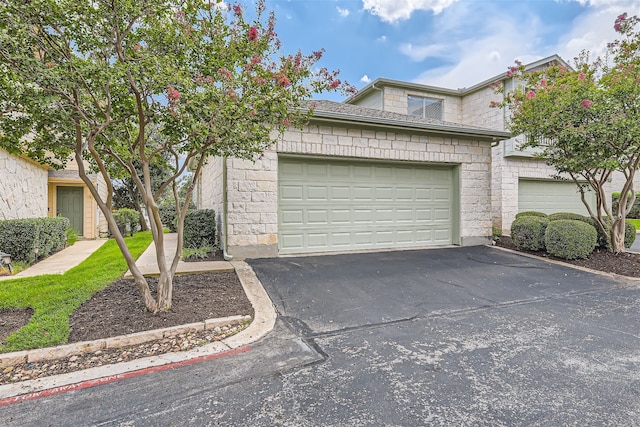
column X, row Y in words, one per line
column 424, row 107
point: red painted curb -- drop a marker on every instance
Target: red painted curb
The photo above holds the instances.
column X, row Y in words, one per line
column 113, row 378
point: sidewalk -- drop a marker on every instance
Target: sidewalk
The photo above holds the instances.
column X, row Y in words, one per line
column 148, row 263
column 263, row 322
column 61, row 261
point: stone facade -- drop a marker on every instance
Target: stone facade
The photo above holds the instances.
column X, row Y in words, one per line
column 252, row 186
column 23, row 188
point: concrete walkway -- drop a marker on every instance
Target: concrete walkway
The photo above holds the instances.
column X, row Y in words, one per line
column 148, row 262
column 61, row 261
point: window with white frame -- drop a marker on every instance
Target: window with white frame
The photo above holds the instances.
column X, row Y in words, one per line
column 425, row 107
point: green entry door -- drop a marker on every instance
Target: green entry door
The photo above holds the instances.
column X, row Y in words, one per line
column 70, row 205
column 333, row 205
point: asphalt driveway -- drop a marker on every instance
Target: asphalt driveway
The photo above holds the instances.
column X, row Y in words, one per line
column 461, row 336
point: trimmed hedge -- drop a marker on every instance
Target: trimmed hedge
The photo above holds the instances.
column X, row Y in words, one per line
column 569, row 215
column 127, row 220
column 531, row 213
column 200, row 228
column 635, row 209
column 21, row 237
column 168, row 217
column 629, row 234
column 570, row 239
column 527, row 232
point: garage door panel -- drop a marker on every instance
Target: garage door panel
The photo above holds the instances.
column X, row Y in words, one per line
column 362, row 206
column 551, row 196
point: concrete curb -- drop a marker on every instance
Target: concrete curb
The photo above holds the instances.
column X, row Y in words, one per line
column 634, row 280
column 263, row 323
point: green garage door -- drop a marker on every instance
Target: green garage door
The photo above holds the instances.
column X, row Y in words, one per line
column 345, row 205
column 551, row 196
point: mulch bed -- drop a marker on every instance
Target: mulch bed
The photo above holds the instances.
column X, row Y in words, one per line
column 625, row 264
column 118, row 309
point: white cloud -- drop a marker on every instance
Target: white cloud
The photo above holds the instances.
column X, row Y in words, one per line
column 500, row 39
column 365, row 79
column 382, row 39
column 343, row 12
column 419, row 53
column 398, row 10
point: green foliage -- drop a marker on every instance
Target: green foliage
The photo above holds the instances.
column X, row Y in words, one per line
column 531, row 213
column 71, row 236
column 196, row 253
column 584, row 120
column 635, row 209
column 496, row 232
column 200, row 228
column 54, row 297
column 168, row 217
column 629, row 234
column 127, row 220
column 29, row 239
column 570, row 239
column 527, row 232
column 569, row 215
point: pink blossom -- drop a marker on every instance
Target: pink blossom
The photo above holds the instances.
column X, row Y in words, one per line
column 50, row 64
column 334, row 84
column 253, row 34
column 137, row 47
column 237, row 9
column 226, row 73
column 543, row 83
column 286, row 122
column 581, row 76
column 283, row 80
column 587, row 103
column 172, row 93
column 531, row 94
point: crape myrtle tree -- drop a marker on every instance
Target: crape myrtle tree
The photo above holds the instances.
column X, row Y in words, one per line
column 585, row 121
column 90, row 78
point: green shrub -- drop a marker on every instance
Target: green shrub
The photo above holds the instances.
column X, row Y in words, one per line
column 629, row 234
column 531, row 213
column 603, row 239
column 196, row 253
column 29, row 239
column 570, row 239
column 71, row 236
column 527, row 232
column 200, row 228
column 569, row 215
column 635, row 209
column 168, row 217
column 127, row 220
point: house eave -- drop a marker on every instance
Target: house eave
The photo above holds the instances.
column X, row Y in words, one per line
column 446, row 130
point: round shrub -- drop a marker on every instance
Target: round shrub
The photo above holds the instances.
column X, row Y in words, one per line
column 570, row 239
column 527, row 232
column 531, row 213
column 568, row 215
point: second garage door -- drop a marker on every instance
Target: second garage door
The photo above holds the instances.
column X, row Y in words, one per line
column 347, row 205
column 551, row 196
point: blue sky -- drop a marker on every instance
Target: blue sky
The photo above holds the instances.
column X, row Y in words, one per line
column 449, row 43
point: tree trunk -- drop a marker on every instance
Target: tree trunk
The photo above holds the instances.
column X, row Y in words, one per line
column 617, row 236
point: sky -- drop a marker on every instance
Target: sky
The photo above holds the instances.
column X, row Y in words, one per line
column 446, row 43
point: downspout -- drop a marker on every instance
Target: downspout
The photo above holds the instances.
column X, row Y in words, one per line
column 225, row 255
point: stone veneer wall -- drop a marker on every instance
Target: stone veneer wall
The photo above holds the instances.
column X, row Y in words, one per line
column 23, row 188
column 210, row 191
column 253, row 186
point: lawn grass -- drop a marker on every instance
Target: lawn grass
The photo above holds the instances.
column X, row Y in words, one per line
column 54, row 297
